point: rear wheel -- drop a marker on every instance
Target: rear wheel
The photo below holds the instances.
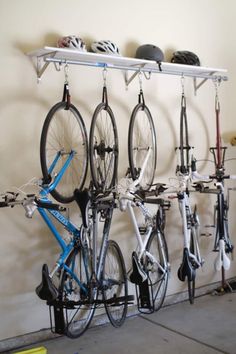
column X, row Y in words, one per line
column 115, row 287
column 78, row 300
column 191, row 280
column 158, row 272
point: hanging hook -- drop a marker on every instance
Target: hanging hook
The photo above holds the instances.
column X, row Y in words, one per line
column 140, row 80
column 217, row 82
column 104, row 76
column 66, row 72
column 182, row 84
column 147, row 75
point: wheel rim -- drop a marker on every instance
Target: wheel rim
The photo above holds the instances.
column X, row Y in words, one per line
column 103, row 148
column 66, row 135
column 142, row 139
column 115, row 281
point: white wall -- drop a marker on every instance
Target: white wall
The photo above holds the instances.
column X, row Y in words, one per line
column 205, row 27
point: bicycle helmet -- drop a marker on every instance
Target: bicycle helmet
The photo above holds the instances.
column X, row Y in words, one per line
column 185, row 57
column 105, row 47
column 149, row 52
column 72, row 42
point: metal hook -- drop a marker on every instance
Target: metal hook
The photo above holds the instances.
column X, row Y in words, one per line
column 104, row 75
column 182, row 84
column 217, row 82
column 147, row 75
column 66, row 72
column 140, row 79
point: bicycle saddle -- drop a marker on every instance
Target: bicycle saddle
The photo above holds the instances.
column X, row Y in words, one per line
column 82, row 198
column 186, row 268
column 46, row 290
column 138, row 275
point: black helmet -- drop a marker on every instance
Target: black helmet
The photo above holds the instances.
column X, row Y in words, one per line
column 149, row 52
column 185, row 57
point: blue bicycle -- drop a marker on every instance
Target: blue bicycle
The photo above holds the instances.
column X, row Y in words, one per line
column 87, row 273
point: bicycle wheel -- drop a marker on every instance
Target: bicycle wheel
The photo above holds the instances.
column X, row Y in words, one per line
column 184, row 143
column 141, row 140
column 191, row 279
column 115, row 286
column 103, row 148
column 64, row 134
column 78, row 300
column 158, row 272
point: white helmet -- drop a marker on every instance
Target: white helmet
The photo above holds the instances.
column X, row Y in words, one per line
column 72, row 42
column 105, row 47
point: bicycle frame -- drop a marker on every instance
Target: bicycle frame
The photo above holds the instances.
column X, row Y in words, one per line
column 127, row 201
column 188, row 225
column 45, row 213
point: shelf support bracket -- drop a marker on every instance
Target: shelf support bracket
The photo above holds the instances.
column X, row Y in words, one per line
column 132, row 77
column 42, row 64
column 197, row 86
column 211, row 76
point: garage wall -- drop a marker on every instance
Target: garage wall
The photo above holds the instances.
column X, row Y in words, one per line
column 204, row 27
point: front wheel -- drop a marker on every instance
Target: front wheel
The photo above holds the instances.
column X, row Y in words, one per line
column 141, row 141
column 63, row 136
column 115, row 286
column 103, row 148
column 157, row 267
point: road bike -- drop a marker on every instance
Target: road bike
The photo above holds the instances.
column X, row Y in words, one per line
column 185, row 172
column 87, row 273
column 222, row 241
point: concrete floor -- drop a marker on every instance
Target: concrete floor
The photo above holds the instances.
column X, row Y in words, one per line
column 207, row 327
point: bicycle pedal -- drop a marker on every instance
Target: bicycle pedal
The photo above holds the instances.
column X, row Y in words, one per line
column 206, row 234
column 142, row 230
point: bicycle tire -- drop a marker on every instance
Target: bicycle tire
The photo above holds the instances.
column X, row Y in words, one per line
column 184, row 141
column 63, row 132
column 141, row 138
column 103, row 148
column 157, row 246
column 81, row 307
column 115, row 285
column 191, row 281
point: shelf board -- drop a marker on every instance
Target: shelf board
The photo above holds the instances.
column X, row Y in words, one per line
column 47, row 55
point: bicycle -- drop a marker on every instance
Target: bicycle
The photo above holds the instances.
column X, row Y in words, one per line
column 83, row 271
column 185, row 172
column 222, row 242
column 64, row 134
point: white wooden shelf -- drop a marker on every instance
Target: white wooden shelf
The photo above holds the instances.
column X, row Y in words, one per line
column 48, row 55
